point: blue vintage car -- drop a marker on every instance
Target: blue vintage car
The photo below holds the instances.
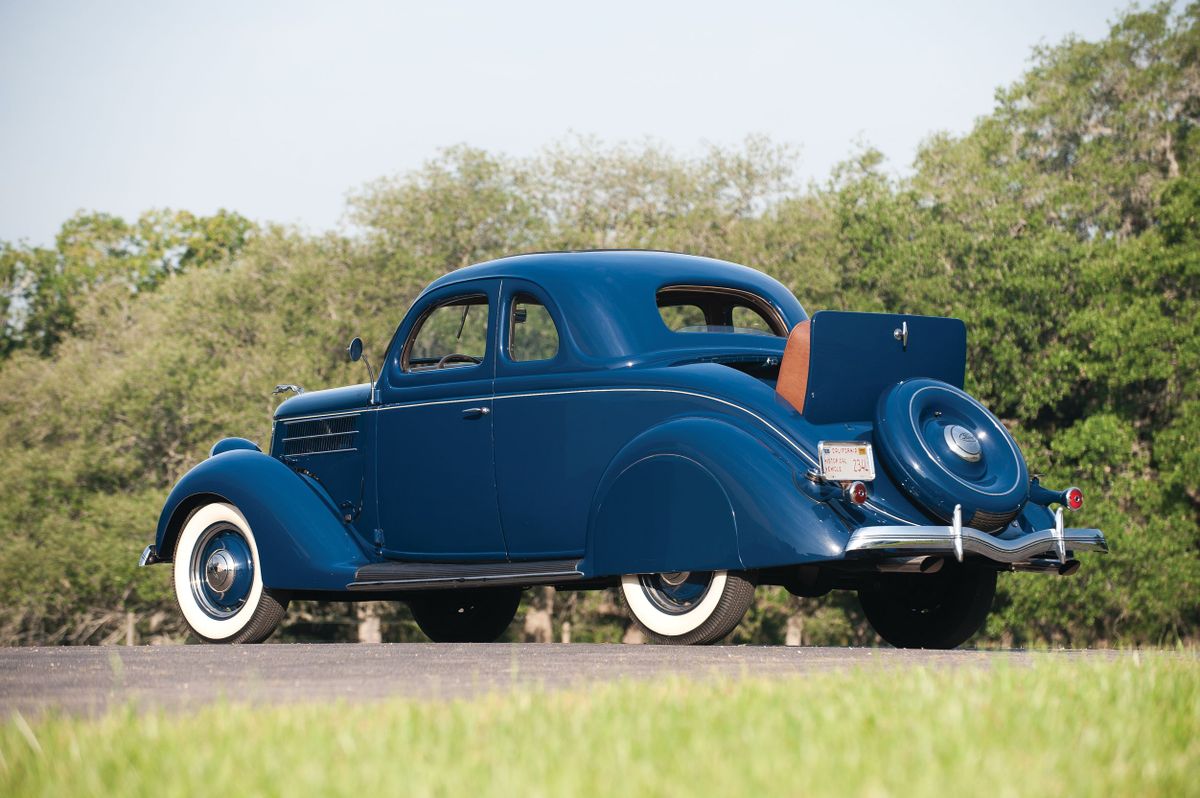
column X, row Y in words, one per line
column 673, row 425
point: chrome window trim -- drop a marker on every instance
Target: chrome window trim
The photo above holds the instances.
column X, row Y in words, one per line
column 760, row 304
column 406, row 350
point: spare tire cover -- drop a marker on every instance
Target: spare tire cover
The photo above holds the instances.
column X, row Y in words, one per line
column 944, row 448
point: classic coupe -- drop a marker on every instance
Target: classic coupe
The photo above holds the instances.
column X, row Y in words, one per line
column 674, row 426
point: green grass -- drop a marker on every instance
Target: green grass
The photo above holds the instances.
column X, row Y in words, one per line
column 1130, row 727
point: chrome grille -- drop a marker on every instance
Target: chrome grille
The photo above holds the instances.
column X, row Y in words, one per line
column 320, row 435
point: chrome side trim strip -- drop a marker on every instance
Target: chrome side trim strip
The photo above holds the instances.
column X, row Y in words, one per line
column 566, row 392
column 944, row 540
column 336, row 414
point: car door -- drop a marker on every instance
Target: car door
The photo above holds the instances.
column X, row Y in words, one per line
column 434, row 454
column 545, row 473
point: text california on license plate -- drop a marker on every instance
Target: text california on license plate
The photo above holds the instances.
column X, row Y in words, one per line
column 843, row 461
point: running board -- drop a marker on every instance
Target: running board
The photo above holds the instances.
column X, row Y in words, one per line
column 434, row 575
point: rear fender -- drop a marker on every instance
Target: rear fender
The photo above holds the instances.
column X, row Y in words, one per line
column 702, row 493
column 302, row 543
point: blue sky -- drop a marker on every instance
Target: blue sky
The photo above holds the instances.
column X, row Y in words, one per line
column 276, row 110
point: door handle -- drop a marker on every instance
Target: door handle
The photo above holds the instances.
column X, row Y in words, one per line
column 476, row 412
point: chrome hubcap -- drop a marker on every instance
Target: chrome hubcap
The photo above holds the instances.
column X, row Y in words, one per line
column 963, row 443
column 675, row 578
column 676, row 592
column 220, row 571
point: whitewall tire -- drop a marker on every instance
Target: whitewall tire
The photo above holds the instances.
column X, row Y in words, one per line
column 218, row 580
column 687, row 608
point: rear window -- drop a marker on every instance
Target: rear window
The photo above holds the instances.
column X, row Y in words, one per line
column 713, row 309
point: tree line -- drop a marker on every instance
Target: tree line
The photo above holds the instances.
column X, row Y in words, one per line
column 1062, row 227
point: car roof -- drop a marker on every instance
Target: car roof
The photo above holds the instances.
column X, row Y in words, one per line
column 607, row 297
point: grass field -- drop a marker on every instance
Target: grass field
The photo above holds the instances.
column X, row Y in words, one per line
column 1128, row 727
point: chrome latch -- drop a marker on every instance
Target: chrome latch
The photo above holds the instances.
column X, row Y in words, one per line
column 901, row 335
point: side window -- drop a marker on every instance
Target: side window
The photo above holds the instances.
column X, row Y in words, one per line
column 750, row 320
column 532, row 334
column 452, row 335
column 682, row 318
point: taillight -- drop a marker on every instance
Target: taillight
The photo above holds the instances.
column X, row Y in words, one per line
column 856, row 492
column 1074, row 498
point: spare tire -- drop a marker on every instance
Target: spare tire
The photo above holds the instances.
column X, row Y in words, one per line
column 944, row 448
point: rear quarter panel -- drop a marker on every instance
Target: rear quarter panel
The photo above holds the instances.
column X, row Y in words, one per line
column 660, row 468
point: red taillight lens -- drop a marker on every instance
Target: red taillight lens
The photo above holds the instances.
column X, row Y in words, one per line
column 856, row 492
column 1074, row 497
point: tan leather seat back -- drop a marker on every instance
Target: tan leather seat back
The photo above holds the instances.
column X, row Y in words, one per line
column 792, row 384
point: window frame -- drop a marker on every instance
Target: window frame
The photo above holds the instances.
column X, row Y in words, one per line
column 419, row 324
column 761, row 305
column 511, row 327
column 564, row 359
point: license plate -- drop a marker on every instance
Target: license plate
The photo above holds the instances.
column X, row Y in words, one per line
column 844, row 461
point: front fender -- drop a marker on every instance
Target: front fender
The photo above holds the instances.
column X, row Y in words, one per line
column 702, row 493
column 302, row 543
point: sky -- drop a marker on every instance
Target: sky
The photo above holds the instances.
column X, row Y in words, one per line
column 277, row 110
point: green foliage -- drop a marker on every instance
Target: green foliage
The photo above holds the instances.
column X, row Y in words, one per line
column 1071, row 728
column 41, row 289
column 1062, row 228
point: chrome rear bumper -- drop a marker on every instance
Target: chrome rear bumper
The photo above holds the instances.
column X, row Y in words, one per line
column 959, row 540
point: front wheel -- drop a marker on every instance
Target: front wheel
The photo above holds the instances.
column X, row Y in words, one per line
column 476, row 615
column 939, row 610
column 218, row 581
column 687, row 607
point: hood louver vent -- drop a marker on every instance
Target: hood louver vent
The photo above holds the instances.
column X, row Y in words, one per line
column 320, row 435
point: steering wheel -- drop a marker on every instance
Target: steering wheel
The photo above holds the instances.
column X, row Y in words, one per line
column 457, row 357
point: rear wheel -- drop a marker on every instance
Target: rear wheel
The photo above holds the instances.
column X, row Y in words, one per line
column 939, row 610
column 218, row 581
column 687, row 607
column 479, row 615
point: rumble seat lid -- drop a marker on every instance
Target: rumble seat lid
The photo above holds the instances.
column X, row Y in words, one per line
column 855, row 356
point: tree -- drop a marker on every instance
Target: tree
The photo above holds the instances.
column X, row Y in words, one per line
column 43, row 288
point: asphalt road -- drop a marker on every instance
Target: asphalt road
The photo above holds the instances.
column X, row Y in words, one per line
column 89, row 679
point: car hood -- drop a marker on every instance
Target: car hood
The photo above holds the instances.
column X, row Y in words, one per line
column 331, row 400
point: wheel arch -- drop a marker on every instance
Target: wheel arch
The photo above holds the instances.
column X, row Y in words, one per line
column 168, row 534
column 302, row 543
column 704, row 493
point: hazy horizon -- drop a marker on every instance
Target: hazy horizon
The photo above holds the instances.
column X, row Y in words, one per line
column 277, row 111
